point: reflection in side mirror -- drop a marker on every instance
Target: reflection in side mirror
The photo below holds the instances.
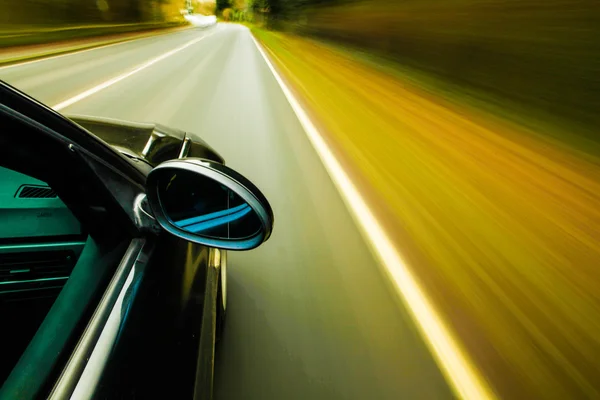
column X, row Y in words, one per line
column 208, row 203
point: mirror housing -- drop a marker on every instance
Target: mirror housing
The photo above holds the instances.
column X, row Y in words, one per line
column 205, row 202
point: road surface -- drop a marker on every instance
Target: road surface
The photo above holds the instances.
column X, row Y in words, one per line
column 309, row 314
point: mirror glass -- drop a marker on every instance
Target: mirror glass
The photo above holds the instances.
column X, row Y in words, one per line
column 202, row 206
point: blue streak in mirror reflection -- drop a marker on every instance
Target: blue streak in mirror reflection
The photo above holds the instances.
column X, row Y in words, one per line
column 208, row 221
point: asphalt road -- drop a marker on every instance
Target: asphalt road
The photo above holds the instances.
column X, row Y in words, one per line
column 309, row 314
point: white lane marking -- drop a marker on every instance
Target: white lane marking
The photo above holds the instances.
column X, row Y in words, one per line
column 119, row 78
column 462, row 376
column 79, row 51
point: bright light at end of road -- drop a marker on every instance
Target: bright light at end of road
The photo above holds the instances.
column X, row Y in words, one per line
column 459, row 371
column 201, row 20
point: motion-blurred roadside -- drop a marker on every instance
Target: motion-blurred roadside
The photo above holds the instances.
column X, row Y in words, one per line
column 37, row 22
column 32, row 29
column 472, row 126
column 541, row 54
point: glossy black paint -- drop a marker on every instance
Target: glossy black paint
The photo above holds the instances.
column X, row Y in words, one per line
column 157, row 353
column 152, row 143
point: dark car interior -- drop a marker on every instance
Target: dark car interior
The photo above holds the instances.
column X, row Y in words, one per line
column 61, row 239
column 40, row 243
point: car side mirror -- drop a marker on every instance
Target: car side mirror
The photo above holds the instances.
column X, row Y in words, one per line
column 208, row 203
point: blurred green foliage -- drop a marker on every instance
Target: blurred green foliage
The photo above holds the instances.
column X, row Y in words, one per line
column 204, row 7
column 236, row 10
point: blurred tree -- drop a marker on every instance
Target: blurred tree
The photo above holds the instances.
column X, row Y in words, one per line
column 205, row 7
column 222, row 5
column 258, row 5
column 239, row 5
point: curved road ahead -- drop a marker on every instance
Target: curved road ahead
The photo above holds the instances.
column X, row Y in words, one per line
column 309, row 314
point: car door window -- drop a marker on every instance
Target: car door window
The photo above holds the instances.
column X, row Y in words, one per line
column 40, row 242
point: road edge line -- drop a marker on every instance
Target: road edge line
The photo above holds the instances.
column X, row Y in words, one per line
column 454, row 364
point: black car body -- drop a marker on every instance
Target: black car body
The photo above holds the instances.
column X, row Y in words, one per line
column 105, row 304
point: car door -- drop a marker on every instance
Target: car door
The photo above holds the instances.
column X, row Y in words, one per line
column 149, row 301
column 62, row 238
